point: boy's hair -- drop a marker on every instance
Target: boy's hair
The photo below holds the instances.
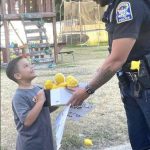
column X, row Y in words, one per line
column 12, row 68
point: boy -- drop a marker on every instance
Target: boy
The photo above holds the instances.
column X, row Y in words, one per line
column 31, row 118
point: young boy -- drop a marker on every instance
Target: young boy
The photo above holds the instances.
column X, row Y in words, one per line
column 32, row 119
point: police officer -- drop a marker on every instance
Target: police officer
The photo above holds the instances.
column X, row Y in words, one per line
column 128, row 26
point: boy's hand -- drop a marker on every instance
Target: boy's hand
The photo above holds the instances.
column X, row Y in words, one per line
column 35, row 111
column 41, row 96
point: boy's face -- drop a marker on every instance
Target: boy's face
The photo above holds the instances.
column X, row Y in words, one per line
column 25, row 71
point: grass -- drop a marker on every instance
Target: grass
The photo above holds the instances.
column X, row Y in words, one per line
column 83, row 45
column 105, row 125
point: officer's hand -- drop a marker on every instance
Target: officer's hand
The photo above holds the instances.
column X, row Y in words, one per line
column 78, row 97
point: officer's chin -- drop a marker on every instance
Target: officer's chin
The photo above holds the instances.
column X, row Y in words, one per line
column 104, row 2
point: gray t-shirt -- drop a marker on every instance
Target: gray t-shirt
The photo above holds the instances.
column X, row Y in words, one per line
column 39, row 135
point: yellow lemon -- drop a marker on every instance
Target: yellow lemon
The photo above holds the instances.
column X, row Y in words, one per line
column 55, row 86
column 69, row 77
column 88, row 142
column 59, row 78
column 64, row 84
column 48, row 84
column 72, row 82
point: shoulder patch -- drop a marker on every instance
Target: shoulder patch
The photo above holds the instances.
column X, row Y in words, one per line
column 124, row 12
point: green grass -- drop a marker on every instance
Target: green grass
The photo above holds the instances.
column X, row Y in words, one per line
column 72, row 141
column 2, row 148
column 85, row 54
column 74, row 46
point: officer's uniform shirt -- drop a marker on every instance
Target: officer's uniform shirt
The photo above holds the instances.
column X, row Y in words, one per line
column 131, row 19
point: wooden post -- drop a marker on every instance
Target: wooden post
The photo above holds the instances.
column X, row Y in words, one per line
column 54, row 33
column 34, row 6
column 6, row 29
column 21, row 6
column 98, row 24
column 48, row 6
column 27, row 5
column 9, row 7
column 71, row 22
column 0, row 7
column 6, row 53
column 60, row 8
column 44, row 5
column 40, row 5
column 3, row 54
column 80, row 20
column 12, row 5
column 3, row 7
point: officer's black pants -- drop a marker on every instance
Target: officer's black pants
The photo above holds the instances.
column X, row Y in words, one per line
column 138, row 116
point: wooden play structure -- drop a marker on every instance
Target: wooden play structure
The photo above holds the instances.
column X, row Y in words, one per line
column 31, row 13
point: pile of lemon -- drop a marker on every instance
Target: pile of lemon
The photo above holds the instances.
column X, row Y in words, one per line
column 61, row 81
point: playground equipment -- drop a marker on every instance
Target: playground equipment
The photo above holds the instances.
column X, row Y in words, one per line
column 30, row 12
column 82, row 23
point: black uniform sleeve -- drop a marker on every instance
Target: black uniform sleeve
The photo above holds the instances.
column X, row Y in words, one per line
column 129, row 16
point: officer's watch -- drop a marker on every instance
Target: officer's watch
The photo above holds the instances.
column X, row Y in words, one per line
column 89, row 89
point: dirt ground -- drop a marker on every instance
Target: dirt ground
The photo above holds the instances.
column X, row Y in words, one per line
column 105, row 125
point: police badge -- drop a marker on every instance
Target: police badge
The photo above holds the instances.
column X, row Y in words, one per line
column 123, row 12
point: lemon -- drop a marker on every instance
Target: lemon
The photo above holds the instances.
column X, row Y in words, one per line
column 88, row 142
column 48, row 84
column 72, row 82
column 55, row 86
column 64, row 84
column 59, row 78
column 69, row 77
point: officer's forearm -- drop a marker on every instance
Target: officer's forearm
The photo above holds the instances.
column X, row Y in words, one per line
column 106, row 72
